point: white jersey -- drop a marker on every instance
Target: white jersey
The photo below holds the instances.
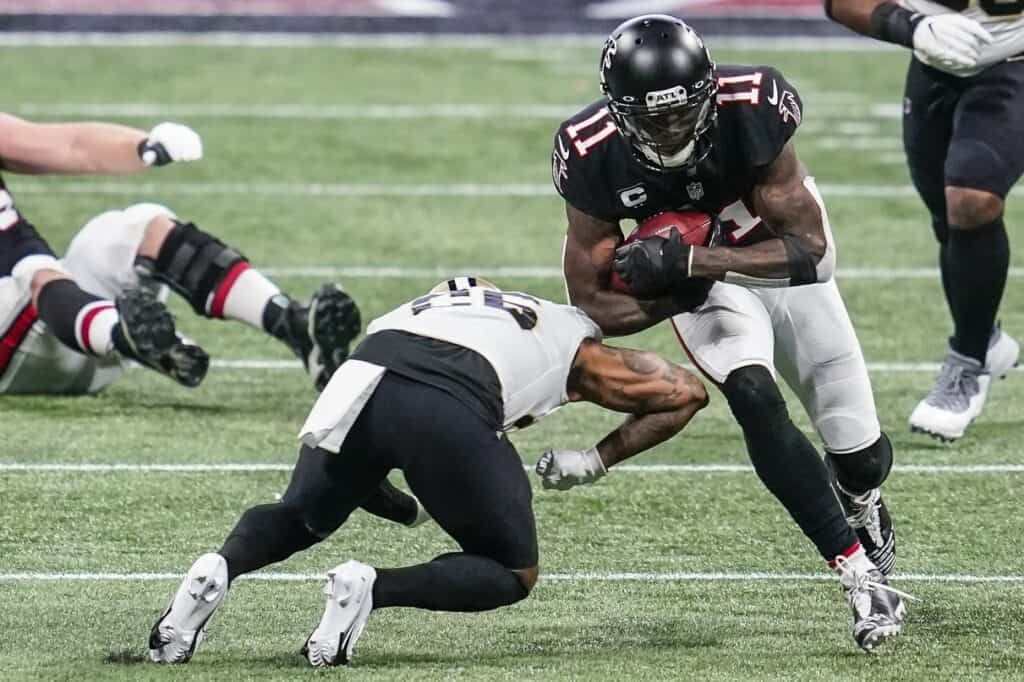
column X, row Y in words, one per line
column 1004, row 19
column 531, row 343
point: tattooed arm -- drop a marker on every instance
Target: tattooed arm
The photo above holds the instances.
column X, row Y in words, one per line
column 659, row 396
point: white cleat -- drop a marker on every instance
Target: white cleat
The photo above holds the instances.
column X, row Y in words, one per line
column 178, row 632
column 349, row 591
column 1003, row 354
column 955, row 401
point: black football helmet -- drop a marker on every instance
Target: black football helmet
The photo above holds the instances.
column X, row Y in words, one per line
column 661, row 86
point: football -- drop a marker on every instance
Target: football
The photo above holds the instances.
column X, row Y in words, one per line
column 694, row 227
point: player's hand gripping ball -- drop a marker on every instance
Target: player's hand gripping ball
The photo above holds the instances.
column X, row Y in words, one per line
column 670, row 276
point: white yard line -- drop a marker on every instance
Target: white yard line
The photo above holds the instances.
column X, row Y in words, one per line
column 257, row 467
column 855, row 117
column 412, row 41
column 541, row 272
column 269, row 364
column 301, row 111
column 583, row 576
column 397, row 189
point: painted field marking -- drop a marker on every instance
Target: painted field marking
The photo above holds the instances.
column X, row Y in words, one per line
column 583, row 576
column 404, row 41
column 260, row 467
column 854, row 118
column 542, row 272
column 270, row 364
column 345, row 189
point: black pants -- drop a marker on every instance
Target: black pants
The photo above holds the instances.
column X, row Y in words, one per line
column 470, row 479
column 963, row 132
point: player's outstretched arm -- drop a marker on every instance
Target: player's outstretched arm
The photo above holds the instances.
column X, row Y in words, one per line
column 949, row 40
column 660, row 397
column 92, row 148
column 803, row 253
column 589, row 246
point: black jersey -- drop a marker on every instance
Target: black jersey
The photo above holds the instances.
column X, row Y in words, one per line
column 9, row 215
column 594, row 169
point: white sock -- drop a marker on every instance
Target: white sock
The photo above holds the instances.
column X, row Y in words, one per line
column 94, row 327
column 247, row 297
column 857, row 562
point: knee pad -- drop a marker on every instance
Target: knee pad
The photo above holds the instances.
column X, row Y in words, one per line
column 860, row 471
column 754, row 397
column 193, row 264
column 976, row 165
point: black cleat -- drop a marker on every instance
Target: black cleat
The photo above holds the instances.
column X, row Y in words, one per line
column 878, row 609
column 145, row 333
column 186, row 363
column 319, row 334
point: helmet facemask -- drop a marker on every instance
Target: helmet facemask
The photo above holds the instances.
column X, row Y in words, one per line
column 670, row 130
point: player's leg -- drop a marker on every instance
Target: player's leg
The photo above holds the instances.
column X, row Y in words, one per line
column 133, row 325
column 983, row 162
column 473, row 484
column 324, row 489
column 731, row 341
column 817, row 352
column 100, row 259
column 219, row 282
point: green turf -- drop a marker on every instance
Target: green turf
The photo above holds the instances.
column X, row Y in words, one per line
column 962, row 523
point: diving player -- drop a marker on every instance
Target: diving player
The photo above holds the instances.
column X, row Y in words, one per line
column 432, row 391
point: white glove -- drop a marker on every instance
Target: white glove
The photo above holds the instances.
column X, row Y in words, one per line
column 950, row 42
column 169, row 142
column 563, row 469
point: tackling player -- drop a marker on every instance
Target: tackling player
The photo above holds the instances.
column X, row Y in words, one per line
column 67, row 325
column 431, row 391
column 963, row 131
column 676, row 132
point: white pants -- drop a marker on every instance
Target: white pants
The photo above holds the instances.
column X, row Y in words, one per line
column 803, row 332
column 101, row 261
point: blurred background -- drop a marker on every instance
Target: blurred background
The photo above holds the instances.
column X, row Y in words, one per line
column 731, row 17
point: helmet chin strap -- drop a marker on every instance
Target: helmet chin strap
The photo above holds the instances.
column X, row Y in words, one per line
column 677, row 160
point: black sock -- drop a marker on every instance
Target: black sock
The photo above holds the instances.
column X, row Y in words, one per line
column 979, row 259
column 279, row 320
column 388, row 502
column 786, row 462
column 59, row 303
column 265, row 534
column 451, row 582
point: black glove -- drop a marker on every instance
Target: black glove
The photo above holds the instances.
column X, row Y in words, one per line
column 652, row 267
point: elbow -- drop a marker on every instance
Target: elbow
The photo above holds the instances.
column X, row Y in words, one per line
column 824, row 252
column 699, row 398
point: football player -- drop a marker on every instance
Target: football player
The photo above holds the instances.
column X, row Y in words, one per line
column 672, row 132
column 963, row 131
column 431, row 391
column 67, row 325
